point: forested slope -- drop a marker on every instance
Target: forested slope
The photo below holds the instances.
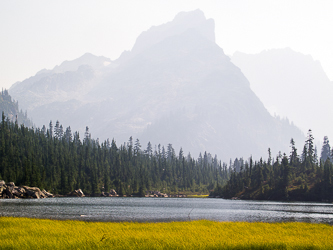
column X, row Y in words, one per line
column 290, row 177
column 56, row 159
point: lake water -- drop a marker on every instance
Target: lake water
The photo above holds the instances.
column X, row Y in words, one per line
column 166, row 209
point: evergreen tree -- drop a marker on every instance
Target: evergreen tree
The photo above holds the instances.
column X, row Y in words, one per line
column 149, row 150
column 325, row 150
column 137, row 147
column 310, row 148
column 87, row 136
column 293, row 154
column 57, row 130
column 50, row 129
column 68, row 134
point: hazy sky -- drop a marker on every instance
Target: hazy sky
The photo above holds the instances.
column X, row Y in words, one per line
column 41, row 34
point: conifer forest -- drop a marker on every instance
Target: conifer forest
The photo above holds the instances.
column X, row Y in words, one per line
column 58, row 160
column 287, row 177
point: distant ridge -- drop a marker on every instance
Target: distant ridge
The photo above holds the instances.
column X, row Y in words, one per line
column 288, row 82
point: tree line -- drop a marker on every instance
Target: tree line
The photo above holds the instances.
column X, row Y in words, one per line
column 287, row 177
column 58, row 160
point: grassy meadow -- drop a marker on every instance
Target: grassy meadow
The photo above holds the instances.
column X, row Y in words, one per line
column 24, row 233
column 198, row 196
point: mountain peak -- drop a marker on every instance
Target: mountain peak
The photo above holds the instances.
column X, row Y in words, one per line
column 86, row 59
column 195, row 15
column 73, row 65
column 182, row 22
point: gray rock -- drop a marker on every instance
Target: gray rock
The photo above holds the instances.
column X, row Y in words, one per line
column 8, row 193
column 47, row 194
column 2, row 191
column 10, row 184
column 113, row 192
column 19, row 192
column 76, row 193
column 34, row 192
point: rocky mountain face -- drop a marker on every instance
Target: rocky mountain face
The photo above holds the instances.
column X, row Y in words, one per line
column 175, row 86
column 291, row 85
column 10, row 109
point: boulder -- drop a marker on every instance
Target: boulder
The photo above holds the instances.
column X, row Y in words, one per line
column 2, row 183
column 19, row 192
column 10, row 184
column 10, row 188
column 76, row 193
column 3, row 191
column 2, row 188
column 33, row 192
column 47, row 194
column 113, row 192
column 8, row 193
column 80, row 192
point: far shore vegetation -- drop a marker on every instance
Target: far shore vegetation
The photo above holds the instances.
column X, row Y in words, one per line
column 286, row 177
column 24, row 233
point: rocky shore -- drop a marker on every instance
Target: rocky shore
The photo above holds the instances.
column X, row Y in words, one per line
column 156, row 194
column 10, row 191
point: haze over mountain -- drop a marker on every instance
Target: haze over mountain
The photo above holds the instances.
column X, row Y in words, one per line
column 291, row 85
column 175, row 86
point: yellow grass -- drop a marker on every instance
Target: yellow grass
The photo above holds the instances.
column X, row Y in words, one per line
column 23, row 233
column 198, row 196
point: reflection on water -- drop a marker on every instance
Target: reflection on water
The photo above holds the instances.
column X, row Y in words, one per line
column 167, row 209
